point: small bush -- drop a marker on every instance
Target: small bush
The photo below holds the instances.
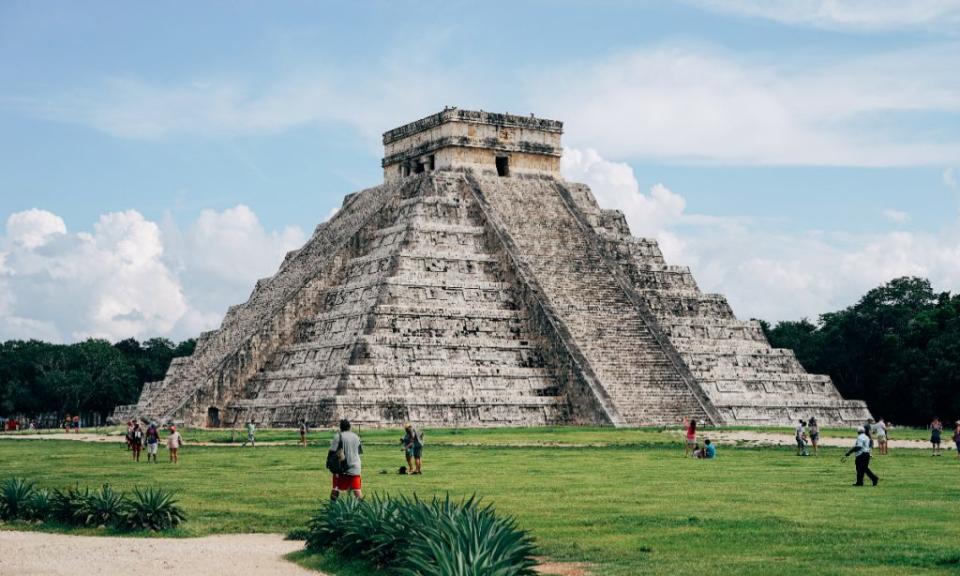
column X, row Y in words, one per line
column 298, row 533
column 15, row 494
column 417, row 538
column 152, row 509
column 103, row 507
column 39, row 505
column 67, row 505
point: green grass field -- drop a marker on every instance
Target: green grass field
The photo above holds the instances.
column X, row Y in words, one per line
column 631, row 506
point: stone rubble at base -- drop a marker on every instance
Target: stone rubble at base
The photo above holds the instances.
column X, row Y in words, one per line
column 476, row 287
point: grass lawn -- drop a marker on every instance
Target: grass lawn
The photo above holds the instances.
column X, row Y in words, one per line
column 633, row 506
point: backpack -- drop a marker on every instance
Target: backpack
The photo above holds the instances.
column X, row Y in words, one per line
column 336, row 459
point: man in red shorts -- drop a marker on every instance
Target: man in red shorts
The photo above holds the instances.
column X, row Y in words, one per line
column 352, row 449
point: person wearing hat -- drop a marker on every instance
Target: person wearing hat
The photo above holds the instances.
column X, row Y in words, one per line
column 862, row 461
column 413, row 448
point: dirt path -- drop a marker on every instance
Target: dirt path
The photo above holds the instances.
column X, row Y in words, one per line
column 774, row 439
column 40, row 554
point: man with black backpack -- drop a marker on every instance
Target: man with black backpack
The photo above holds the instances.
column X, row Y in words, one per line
column 343, row 460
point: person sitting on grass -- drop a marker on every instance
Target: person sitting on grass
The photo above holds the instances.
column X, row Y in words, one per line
column 709, row 449
column 413, row 448
column 174, row 442
column 801, row 438
column 347, row 445
column 136, row 441
column 697, row 451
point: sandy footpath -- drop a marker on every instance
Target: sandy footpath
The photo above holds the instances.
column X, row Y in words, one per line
column 40, row 554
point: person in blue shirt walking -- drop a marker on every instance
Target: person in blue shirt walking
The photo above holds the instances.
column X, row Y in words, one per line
column 862, row 461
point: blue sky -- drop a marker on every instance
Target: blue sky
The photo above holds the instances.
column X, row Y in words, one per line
column 156, row 159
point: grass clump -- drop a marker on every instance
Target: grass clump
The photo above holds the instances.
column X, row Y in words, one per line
column 412, row 537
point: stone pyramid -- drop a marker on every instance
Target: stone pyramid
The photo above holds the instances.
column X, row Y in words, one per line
column 476, row 287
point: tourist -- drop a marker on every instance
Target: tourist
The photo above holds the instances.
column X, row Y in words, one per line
column 174, row 442
column 862, row 462
column 413, row 447
column 691, row 440
column 303, row 432
column 881, row 428
column 801, row 437
column 76, row 424
column 814, row 430
column 129, row 435
column 66, row 424
column 936, row 427
column 347, row 446
column 698, row 452
column 709, row 449
column 251, row 434
column 136, row 441
column 153, row 442
column 956, row 437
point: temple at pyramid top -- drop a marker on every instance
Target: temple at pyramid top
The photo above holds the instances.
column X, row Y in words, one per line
column 484, row 142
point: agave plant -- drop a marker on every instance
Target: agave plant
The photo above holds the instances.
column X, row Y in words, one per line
column 326, row 527
column 67, row 505
column 152, row 509
column 103, row 507
column 39, row 505
column 15, row 493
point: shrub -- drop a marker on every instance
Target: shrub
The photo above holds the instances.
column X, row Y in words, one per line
column 298, row 533
column 15, row 494
column 417, row 538
column 152, row 509
column 39, row 505
column 103, row 507
column 66, row 506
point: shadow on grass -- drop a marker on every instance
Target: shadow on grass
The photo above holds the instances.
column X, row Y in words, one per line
column 331, row 563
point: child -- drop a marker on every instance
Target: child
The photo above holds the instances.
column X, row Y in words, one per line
column 698, row 452
column 710, row 450
column 801, row 438
column 691, row 440
column 174, row 442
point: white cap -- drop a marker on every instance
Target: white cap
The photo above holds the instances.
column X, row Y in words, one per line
column 861, row 430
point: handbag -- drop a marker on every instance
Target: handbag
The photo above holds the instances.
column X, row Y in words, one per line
column 336, row 459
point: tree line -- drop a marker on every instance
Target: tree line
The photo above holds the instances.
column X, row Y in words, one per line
column 897, row 348
column 91, row 376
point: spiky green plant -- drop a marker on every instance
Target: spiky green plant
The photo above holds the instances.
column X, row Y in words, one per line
column 39, row 505
column 67, row 505
column 15, row 493
column 152, row 509
column 103, row 507
column 326, row 526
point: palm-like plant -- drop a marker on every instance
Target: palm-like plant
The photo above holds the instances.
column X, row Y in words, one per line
column 15, row 493
column 67, row 505
column 39, row 505
column 103, row 507
column 153, row 509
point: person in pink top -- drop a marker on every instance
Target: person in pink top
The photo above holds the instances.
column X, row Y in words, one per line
column 691, row 440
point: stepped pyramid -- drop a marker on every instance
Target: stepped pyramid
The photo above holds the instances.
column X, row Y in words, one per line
column 476, row 287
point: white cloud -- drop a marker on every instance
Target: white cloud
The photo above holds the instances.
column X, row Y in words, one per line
column 949, row 179
column 845, row 14
column 33, row 228
column 766, row 274
column 701, row 105
column 896, row 216
column 127, row 277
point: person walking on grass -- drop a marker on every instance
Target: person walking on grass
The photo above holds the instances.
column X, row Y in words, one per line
column 862, row 461
column 413, row 448
column 814, row 430
column 129, row 435
column 153, row 442
column 691, row 438
column 936, row 428
column 303, row 432
column 174, row 442
column 347, row 449
column 801, row 438
column 136, row 441
column 251, row 435
column 956, row 437
column 881, row 429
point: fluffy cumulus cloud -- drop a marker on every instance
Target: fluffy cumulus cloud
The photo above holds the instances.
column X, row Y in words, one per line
column 766, row 274
column 128, row 276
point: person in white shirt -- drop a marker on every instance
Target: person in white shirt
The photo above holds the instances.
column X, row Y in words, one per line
column 881, row 428
column 862, row 462
column 801, row 438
